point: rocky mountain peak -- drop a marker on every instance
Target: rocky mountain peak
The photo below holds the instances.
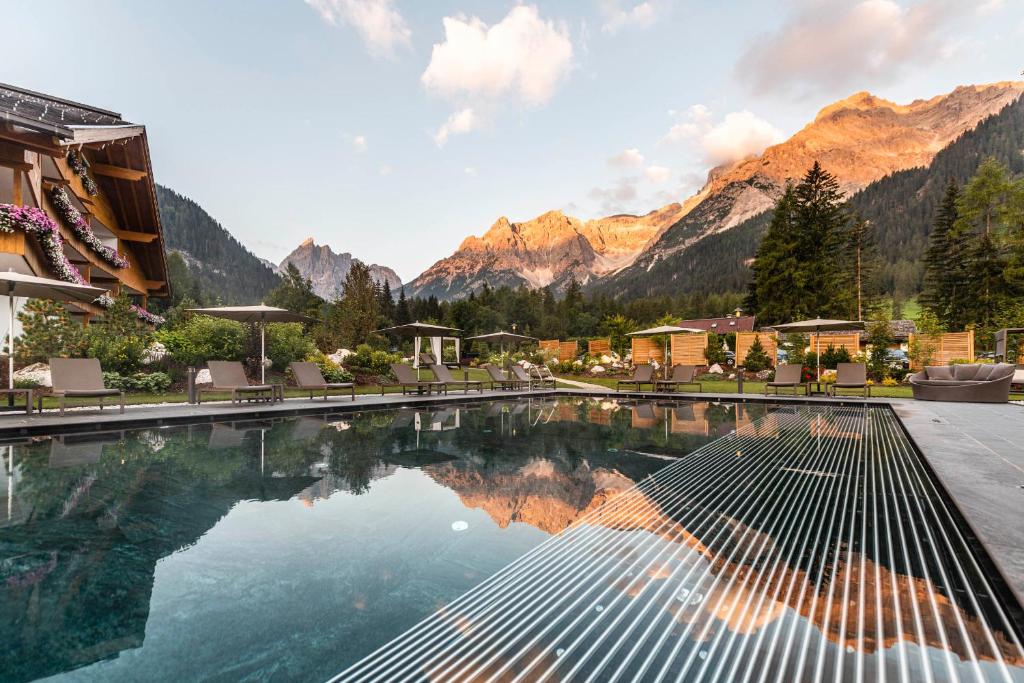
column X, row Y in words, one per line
column 327, row 270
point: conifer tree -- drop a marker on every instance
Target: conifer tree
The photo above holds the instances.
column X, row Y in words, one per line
column 402, row 315
column 945, row 264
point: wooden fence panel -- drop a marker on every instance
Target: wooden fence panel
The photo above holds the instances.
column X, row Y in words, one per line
column 948, row 347
column 599, row 347
column 847, row 340
column 550, row 345
column 567, row 350
column 744, row 340
column 645, row 350
column 688, row 349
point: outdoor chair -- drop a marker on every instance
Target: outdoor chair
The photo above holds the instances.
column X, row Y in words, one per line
column 682, row 375
column 229, row 375
column 524, row 377
column 643, row 374
column 443, row 374
column 973, row 383
column 407, row 380
column 308, row 376
column 427, row 358
column 787, row 376
column 498, row 378
column 79, row 378
column 543, row 375
column 852, row 376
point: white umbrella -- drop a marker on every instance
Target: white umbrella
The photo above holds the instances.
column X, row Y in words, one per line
column 660, row 330
column 501, row 338
column 261, row 314
column 819, row 325
column 31, row 287
column 417, row 330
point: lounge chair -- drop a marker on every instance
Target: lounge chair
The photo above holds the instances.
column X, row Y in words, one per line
column 974, row 383
column 498, row 378
column 682, row 375
column 543, row 376
column 443, row 374
column 427, row 359
column 523, row 377
column 851, row 376
column 787, row 376
column 229, row 375
column 407, row 380
column 643, row 374
column 79, row 378
column 308, row 376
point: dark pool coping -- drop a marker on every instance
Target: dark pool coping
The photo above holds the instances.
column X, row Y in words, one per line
column 975, row 451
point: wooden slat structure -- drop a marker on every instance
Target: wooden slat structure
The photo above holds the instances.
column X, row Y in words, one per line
column 646, row 349
column 598, row 347
column 562, row 350
column 744, row 340
column 548, row 345
column 949, row 346
column 688, row 349
column 847, row 340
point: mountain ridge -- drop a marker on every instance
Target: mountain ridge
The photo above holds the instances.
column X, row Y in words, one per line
column 327, row 270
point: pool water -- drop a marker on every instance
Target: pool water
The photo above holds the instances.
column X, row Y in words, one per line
column 291, row 549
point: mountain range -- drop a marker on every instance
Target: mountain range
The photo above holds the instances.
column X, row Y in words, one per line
column 328, row 270
column 860, row 139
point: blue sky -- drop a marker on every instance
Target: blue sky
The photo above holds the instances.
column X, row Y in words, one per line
column 327, row 118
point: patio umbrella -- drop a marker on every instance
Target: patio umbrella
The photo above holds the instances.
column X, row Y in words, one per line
column 502, row 338
column 663, row 330
column 261, row 314
column 820, row 325
column 32, row 287
column 417, row 330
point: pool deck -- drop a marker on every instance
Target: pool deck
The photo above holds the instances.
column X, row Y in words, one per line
column 976, row 451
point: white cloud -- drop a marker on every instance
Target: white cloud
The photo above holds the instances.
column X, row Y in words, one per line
column 628, row 158
column 739, row 135
column 657, row 174
column 359, row 143
column 469, row 170
column 377, row 22
column 385, row 169
column 641, row 15
column 616, row 199
column 522, row 55
column 460, row 122
column 990, row 7
column 830, row 46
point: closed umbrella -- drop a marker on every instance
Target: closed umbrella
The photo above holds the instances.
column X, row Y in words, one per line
column 819, row 325
column 663, row 330
column 261, row 314
column 32, row 287
column 502, row 338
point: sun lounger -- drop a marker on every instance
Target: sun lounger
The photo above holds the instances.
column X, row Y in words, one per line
column 308, row 376
column 644, row 374
column 787, row 376
column 407, row 380
column 523, row 376
column 229, row 375
column 443, row 374
column 543, row 375
column 498, row 378
column 852, row 376
column 80, row 378
column 682, row 375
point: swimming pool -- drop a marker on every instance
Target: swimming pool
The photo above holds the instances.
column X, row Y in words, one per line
column 719, row 541
column 293, row 548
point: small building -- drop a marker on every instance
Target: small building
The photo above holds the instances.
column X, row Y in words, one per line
column 738, row 323
column 78, row 199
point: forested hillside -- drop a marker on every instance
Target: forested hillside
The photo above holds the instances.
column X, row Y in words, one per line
column 220, row 268
column 901, row 206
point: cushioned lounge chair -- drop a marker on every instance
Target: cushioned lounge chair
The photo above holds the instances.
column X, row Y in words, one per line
column 973, row 383
column 443, row 374
column 79, row 378
column 543, row 376
column 520, row 373
column 407, row 380
column 682, row 375
column 229, row 375
column 851, row 376
column 787, row 376
column 499, row 380
column 644, row 374
column 308, row 376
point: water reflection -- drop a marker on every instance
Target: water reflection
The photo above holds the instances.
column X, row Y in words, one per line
column 88, row 517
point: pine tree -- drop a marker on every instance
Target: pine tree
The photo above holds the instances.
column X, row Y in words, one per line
column 295, row 293
column 358, row 305
column 943, row 292
column 402, row 315
column 47, row 331
column 863, row 255
column 821, row 218
column 772, row 295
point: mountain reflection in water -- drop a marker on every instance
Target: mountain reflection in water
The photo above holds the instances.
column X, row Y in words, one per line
column 86, row 519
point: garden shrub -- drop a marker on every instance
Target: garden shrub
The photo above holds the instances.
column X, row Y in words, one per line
column 47, row 332
column 145, row 382
column 369, row 361
column 331, row 371
column 287, row 342
column 714, row 352
column 202, row 338
column 831, row 356
column 118, row 340
column 756, row 359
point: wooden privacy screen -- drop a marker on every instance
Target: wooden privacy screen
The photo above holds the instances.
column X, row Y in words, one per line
column 645, row 350
column 745, row 339
column 948, row 346
column 688, row 349
column 567, row 350
column 548, row 345
column 598, row 347
column 848, row 340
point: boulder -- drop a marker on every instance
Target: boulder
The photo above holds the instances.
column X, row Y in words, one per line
column 340, row 355
column 597, row 370
column 203, row 376
column 716, row 369
column 38, row 373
